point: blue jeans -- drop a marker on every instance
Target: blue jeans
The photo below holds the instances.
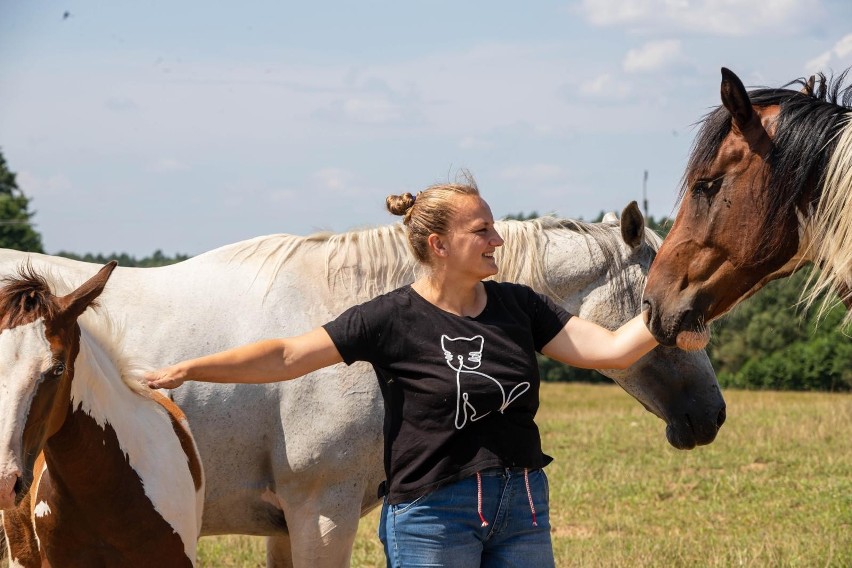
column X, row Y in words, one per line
column 443, row 528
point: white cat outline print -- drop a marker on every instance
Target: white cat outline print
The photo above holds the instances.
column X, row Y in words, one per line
column 474, row 357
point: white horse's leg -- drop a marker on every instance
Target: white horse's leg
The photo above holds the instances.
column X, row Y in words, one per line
column 278, row 552
column 322, row 527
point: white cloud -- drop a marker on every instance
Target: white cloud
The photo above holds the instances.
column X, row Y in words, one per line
column 715, row 17
column 168, row 165
column 36, row 186
column 533, row 174
column 837, row 58
column 652, row 56
column 474, row 143
column 605, row 86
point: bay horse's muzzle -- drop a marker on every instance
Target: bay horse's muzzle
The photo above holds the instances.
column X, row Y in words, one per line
column 682, row 327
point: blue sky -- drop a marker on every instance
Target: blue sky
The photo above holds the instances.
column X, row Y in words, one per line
column 187, row 125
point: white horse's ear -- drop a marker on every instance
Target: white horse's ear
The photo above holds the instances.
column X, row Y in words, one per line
column 610, row 217
column 632, row 225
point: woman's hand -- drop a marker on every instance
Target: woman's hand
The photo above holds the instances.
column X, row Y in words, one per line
column 165, row 378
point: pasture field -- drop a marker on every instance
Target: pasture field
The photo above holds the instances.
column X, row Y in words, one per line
column 774, row 489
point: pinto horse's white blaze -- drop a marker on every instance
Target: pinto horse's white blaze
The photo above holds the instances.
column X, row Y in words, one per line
column 17, row 388
column 42, row 509
column 144, row 432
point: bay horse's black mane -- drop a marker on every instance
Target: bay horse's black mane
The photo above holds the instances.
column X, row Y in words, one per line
column 805, row 139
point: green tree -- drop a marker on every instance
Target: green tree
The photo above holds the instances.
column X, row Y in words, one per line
column 769, row 343
column 16, row 228
column 124, row 259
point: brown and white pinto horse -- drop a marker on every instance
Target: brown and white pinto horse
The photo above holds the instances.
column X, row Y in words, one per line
column 767, row 189
column 116, row 478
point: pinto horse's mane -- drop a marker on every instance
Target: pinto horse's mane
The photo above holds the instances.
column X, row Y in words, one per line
column 383, row 258
column 811, row 152
column 28, row 295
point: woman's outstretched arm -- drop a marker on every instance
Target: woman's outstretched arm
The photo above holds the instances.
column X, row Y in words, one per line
column 265, row 361
column 582, row 343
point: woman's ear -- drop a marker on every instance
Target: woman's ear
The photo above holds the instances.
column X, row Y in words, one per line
column 436, row 245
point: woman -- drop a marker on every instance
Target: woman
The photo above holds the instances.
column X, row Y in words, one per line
column 455, row 359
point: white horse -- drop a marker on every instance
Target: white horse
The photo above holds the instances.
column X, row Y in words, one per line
column 301, row 461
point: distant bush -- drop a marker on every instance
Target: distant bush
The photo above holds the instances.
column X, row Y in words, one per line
column 767, row 343
column 124, row 259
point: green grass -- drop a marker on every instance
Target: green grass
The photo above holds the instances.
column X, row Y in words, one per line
column 774, row 489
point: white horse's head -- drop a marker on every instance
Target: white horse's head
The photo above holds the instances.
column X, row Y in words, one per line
column 598, row 272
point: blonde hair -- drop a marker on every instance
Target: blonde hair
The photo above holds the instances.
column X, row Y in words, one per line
column 430, row 211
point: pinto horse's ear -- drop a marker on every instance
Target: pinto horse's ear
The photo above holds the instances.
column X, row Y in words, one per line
column 632, row 225
column 735, row 98
column 75, row 303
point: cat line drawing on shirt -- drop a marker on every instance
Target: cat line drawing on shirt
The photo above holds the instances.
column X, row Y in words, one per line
column 464, row 355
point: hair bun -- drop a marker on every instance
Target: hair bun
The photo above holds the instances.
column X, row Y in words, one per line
column 400, row 204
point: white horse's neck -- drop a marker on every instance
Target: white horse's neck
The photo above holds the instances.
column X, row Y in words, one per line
column 143, row 428
column 362, row 264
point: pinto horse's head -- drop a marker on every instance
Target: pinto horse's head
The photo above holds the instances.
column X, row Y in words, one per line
column 39, row 342
column 751, row 178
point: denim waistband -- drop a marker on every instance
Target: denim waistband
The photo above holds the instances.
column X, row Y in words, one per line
column 507, row 471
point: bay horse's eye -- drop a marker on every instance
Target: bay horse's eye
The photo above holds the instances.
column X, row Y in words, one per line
column 707, row 188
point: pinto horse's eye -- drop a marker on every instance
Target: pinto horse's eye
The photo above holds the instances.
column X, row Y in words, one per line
column 57, row 369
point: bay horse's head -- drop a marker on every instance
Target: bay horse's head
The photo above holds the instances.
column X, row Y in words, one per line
column 752, row 179
column 39, row 342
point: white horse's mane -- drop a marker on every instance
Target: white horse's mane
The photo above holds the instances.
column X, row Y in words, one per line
column 831, row 230
column 372, row 261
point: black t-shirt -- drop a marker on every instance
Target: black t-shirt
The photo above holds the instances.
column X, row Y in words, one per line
column 460, row 393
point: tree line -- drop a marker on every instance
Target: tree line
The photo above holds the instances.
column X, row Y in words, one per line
column 767, row 342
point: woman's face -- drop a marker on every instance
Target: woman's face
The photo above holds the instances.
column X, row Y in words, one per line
column 472, row 239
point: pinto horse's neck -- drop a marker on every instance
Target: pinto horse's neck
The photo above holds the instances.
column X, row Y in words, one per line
column 101, row 472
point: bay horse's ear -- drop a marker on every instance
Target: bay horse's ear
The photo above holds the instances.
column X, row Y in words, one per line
column 75, row 303
column 632, row 225
column 735, row 98
column 808, row 87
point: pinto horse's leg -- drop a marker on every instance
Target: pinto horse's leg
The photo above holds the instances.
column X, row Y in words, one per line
column 322, row 526
column 278, row 552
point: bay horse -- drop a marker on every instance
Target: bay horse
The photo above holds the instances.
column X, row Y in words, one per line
column 300, row 461
column 116, row 477
column 767, row 189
